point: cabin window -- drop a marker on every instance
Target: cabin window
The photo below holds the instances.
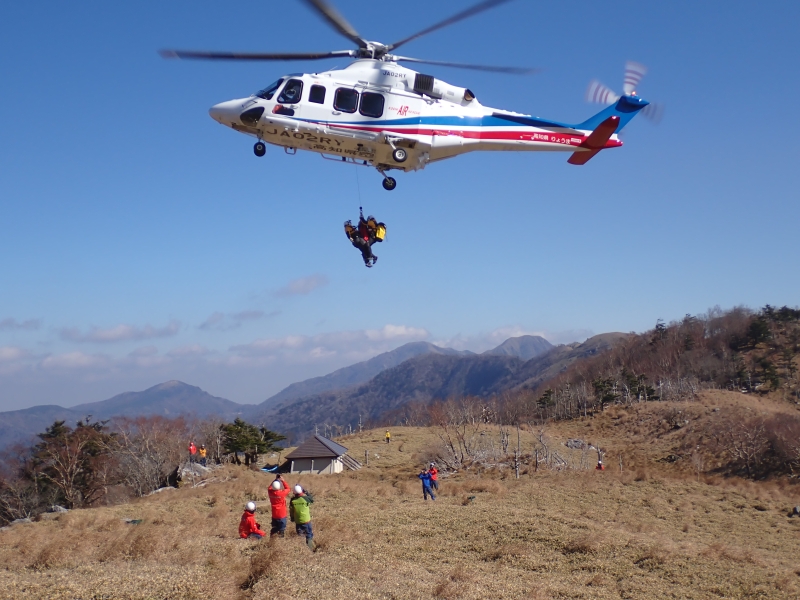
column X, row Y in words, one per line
column 291, row 92
column 346, row 100
column 268, row 92
column 317, row 94
column 371, row 104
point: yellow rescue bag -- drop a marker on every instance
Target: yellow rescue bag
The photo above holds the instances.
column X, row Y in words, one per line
column 380, row 232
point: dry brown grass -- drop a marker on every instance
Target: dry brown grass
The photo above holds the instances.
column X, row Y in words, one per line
column 574, row 534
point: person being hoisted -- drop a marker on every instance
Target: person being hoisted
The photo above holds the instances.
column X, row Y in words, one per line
column 367, row 233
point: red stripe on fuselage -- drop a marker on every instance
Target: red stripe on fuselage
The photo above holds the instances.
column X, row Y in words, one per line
column 514, row 135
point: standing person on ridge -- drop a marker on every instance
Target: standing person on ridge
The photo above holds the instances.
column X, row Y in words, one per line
column 278, row 491
column 202, row 453
column 388, row 436
column 248, row 528
column 425, row 476
column 192, row 452
column 434, row 476
column 300, row 514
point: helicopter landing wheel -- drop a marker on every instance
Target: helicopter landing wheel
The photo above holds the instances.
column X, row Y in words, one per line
column 389, row 183
column 399, row 155
column 260, row 149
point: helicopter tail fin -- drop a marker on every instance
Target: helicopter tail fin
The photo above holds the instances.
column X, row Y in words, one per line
column 625, row 109
column 595, row 142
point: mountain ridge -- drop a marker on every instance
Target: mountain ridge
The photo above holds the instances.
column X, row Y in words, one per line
column 357, row 373
column 173, row 398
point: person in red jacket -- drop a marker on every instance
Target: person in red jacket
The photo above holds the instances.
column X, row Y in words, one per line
column 248, row 528
column 192, row 452
column 277, row 498
column 434, row 476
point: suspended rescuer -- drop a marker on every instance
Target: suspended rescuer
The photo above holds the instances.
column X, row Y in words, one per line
column 300, row 513
column 425, row 476
column 278, row 491
column 248, row 528
column 365, row 235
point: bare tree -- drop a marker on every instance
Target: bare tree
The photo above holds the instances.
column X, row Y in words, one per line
column 459, row 423
column 744, row 441
column 75, row 461
column 148, row 449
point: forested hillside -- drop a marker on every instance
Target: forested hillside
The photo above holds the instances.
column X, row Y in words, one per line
column 751, row 355
column 739, row 349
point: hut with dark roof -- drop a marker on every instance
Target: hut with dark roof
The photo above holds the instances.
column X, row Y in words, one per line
column 319, row 455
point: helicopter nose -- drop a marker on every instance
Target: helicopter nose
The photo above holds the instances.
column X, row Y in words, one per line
column 225, row 112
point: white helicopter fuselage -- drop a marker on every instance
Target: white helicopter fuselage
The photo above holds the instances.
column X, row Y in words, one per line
column 364, row 112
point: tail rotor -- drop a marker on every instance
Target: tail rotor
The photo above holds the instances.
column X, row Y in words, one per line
column 599, row 93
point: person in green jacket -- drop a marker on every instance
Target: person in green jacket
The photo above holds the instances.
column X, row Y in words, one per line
column 300, row 514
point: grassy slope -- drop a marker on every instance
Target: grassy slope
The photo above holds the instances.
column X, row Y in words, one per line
column 651, row 531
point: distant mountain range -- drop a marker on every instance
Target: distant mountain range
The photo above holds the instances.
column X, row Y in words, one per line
column 424, row 378
column 168, row 399
column 417, row 371
column 525, row 347
column 360, row 372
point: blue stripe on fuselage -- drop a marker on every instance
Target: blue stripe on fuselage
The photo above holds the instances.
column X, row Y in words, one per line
column 483, row 121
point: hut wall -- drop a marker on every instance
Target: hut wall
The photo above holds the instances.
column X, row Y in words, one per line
column 316, row 466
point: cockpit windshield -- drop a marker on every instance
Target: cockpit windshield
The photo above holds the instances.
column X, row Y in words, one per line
column 268, row 92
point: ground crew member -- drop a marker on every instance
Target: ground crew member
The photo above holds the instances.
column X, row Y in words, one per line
column 600, row 466
column 388, row 436
column 277, row 499
column 192, row 452
column 300, row 513
column 202, row 453
column 248, row 528
column 425, row 476
column 434, row 476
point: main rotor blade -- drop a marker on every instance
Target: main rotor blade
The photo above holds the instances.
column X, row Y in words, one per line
column 492, row 69
column 337, row 21
column 193, row 54
column 474, row 10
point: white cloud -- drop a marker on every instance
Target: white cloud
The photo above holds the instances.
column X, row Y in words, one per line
column 218, row 321
column 10, row 324
column 190, row 350
column 358, row 344
column 11, row 353
column 303, row 285
column 144, row 351
column 120, row 333
column 213, row 322
column 393, row 332
column 244, row 372
column 75, row 360
column 247, row 315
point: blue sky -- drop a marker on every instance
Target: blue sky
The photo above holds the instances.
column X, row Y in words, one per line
column 142, row 241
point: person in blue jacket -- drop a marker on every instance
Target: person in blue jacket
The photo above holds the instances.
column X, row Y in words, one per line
column 425, row 476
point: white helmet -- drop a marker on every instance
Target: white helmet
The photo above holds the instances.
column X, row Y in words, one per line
column 251, row 507
column 298, row 489
column 276, row 485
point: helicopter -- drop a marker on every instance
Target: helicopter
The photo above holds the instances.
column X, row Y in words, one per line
column 378, row 113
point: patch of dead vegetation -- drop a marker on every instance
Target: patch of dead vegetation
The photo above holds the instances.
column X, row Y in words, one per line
column 547, row 535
